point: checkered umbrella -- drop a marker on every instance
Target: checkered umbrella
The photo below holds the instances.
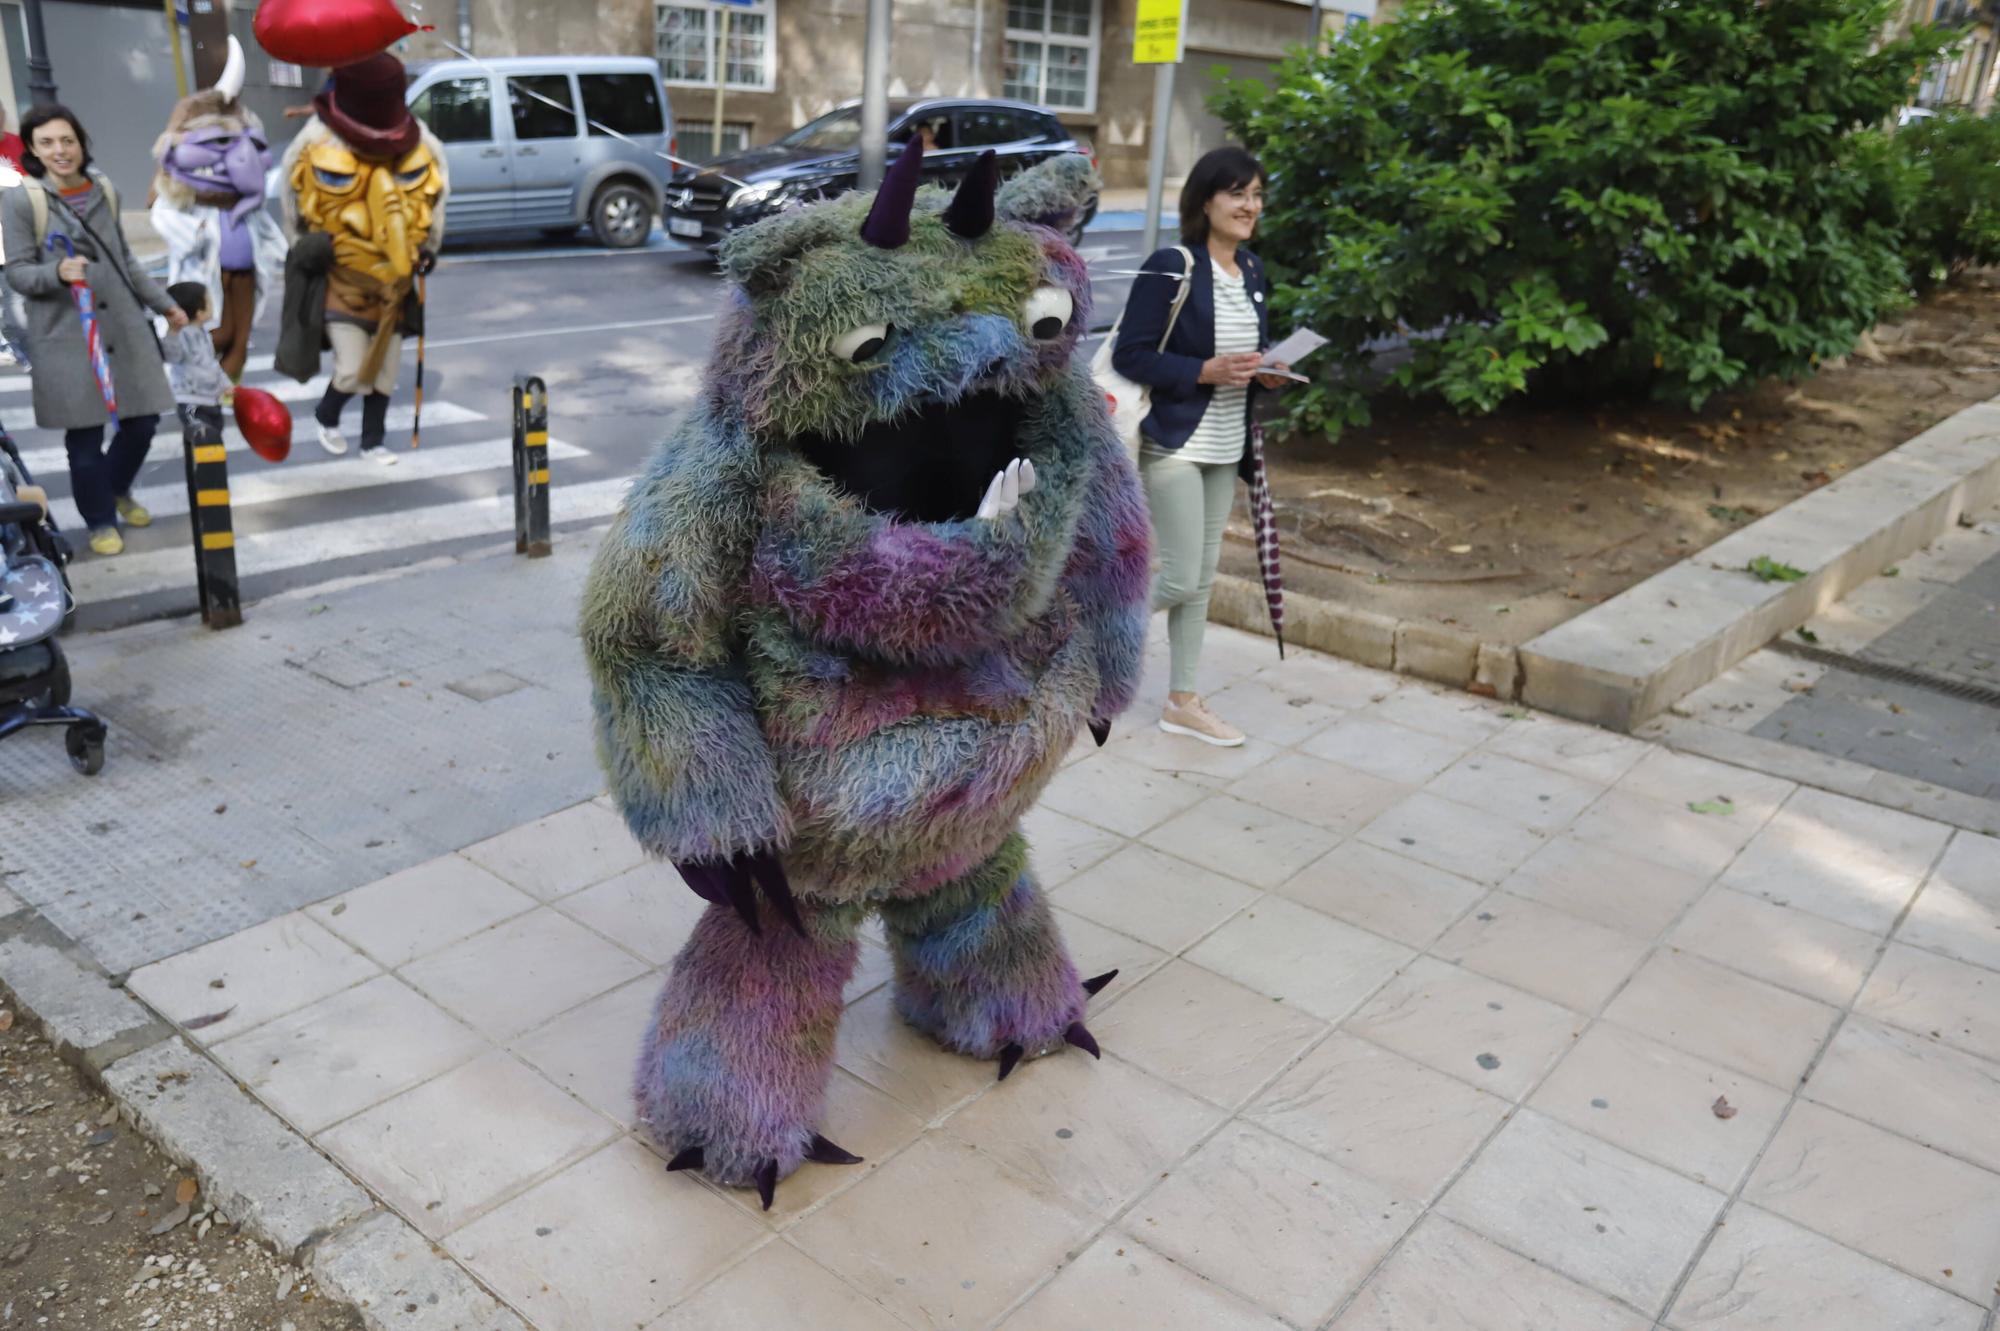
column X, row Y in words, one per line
column 93, row 338
column 1264, row 514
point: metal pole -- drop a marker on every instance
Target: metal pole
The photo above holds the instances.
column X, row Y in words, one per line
column 41, row 76
column 978, row 84
column 465, row 24
column 1318, row 30
column 1156, row 160
column 180, row 57
column 531, row 467
column 874, row 97
column 721, row 82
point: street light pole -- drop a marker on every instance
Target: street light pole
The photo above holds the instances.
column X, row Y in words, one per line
column 874, row 97
column 41, row 76
column 1156, row 157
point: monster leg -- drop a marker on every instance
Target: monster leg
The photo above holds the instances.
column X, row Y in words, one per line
column 732, row 1078
column 981, row 968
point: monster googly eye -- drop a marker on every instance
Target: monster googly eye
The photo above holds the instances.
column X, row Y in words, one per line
column 859, row 344
column 1047, row 313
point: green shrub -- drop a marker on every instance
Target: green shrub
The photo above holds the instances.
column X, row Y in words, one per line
column 1595, row 196
column 1953, row 219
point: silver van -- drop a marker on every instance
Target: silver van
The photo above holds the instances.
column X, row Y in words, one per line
column 535, row 154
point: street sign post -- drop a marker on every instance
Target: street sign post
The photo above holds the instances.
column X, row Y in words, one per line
column 722, row 71
column 874, row 97
column 1160, row 40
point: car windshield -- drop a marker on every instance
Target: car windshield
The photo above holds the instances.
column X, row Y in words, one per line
column 835, row 129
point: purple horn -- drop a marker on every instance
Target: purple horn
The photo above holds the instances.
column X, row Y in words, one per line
column 970, row 215
column 888, row 224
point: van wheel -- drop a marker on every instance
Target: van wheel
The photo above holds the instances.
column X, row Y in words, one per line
column 621, row 217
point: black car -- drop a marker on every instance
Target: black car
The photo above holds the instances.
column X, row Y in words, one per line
column 819, row 160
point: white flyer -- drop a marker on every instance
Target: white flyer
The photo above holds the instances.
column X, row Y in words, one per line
column 1295, row 348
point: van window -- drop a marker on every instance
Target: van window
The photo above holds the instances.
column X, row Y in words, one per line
column 624, row 103
column 457, row 110
column 534, row 118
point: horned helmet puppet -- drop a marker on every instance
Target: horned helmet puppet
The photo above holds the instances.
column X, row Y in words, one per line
column 214, row 153
column 848, row 625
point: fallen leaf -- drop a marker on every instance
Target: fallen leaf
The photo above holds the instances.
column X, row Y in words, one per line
column 1722, row 1108
column 340, row 909
column 1721, row 805
column 171, row 1219
column 1460, row 549
column 100, row 1218
column 207, row 1019
column 1897, row 708
column 248, row 864
column 1807, row 635
column 1891, row 572
column 6, row 1020
column 1796, row 685
column 1768, row 569
column 222, row 808
column 108, row 1117
column 185, row 1191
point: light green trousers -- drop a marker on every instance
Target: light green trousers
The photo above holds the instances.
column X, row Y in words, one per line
column 1190, row 504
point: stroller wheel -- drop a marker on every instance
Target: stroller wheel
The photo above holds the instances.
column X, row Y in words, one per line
column 86, row 748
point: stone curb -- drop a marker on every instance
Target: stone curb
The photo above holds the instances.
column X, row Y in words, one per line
column 252, row 1167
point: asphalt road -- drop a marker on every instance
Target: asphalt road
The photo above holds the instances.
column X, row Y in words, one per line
column 619, row 338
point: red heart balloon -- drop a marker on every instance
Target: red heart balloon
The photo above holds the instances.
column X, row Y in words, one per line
column 326, row 33
column 265, row 422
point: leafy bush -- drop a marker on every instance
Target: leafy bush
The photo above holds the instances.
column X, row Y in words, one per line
column 1954, row 216
column 1596, row 196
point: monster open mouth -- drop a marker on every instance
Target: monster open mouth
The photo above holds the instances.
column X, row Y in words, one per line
column 930, row 465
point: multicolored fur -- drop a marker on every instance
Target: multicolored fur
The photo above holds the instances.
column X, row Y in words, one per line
column 791, row 671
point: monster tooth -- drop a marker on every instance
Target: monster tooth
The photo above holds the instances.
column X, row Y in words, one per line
column 1010, row 486
column 989, row 507
column 1096, row 983
column 1082, row 1039
column 1027, row 475
column 824, row 1152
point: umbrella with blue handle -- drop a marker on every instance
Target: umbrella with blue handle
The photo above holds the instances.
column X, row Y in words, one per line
column 93, row 337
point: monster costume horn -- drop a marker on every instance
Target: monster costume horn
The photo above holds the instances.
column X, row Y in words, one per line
column 888, row 224
column 970, row 215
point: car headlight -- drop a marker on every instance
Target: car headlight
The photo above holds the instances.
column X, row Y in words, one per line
column 752, row 195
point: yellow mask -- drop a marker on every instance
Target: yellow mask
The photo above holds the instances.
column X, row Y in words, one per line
column 378, row 213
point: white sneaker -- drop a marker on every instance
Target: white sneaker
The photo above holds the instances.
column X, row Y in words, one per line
column 1196, row 722
column 330, row 439
column 380, row 455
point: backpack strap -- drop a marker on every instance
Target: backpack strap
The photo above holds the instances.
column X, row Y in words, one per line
column 1180, row 297
column 38, row 209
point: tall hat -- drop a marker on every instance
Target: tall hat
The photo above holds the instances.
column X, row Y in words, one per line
column 364, row 105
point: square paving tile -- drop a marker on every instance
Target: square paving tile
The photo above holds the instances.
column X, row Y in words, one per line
column 1094, row 1131
column 1542, row 950
column 1855, row 863
column 548, row 1252
column 1060, row 846
column 1659, row 1103
column 1379, row 1114
column 1478, row 1030
column 590, row 1051
column 1119, row 1282
column 1606, row 886
column 649, row 910
column 443, row 1153
column 1589, row 1210
column 1681, row 779
column 1264, row 1218
column 1701, row 844
column 874, row 966
column 1702, row 1009
column 858, row 1117
column 1448, row 713
column 1943, row 1098
column 1764, row 1273
column 1929, row 1215
column 1125, row 797
column 1447, row 1278
column 265, row 971
column 1311, row 961
column 521, row 973
column 9, row 903
column 1096, row 949
column 1394, row 753
column 1802, row 952
column 1330, row 679
column 556, row 855
column 1383, row 892
column 941, row 1235
column 1339, row 799
column 1535, row 797
column 1931, row 995
column 1958, row 912
column 1203, row 1033
column 421, row 909
column 1245, row 841
column 1154, row 897
column 768, row 1289
column 1273, row 708
column 348, row 1051
column 885, row 1052
column 1149, row 746
column 1461, row 840
column 1565, row 746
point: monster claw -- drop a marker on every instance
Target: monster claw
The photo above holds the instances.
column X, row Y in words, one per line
column 767, row 1182
column 1097, row 982
column 1009, row 1056
column 1082, row 1039
column 701, row 880
column 743, row 896
column 770, row 871
column 824, row 1152
column 1100, row 731
column 690, row 1158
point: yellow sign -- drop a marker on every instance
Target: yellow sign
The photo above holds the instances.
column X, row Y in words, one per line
column 1162, row 33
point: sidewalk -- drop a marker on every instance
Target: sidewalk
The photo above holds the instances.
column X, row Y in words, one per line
column 1431, row 1013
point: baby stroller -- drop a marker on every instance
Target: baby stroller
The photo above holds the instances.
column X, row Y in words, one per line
column 35, row 604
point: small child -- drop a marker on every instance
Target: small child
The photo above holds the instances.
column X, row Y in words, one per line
column 198, row 379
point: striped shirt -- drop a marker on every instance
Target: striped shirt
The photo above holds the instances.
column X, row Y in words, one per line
column 1225, row 426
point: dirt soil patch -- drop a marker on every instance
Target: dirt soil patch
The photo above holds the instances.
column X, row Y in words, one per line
column 101, row 1232
column 1505, row 526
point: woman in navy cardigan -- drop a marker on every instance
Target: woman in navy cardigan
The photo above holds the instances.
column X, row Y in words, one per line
column 1192, row 440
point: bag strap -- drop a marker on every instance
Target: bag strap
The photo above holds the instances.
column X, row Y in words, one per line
column 111, row 200
column 1180, row 297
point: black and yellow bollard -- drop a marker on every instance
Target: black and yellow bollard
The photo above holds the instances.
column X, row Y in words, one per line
column 207, row 463
column 531, row 467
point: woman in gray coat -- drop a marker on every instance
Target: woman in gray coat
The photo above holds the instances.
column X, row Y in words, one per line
column 67, row 395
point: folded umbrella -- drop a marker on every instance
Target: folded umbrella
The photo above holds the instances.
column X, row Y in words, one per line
column 1264, row 515
column 93, row 338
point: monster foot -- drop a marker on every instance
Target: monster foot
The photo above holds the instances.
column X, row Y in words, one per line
column 1076, row 1033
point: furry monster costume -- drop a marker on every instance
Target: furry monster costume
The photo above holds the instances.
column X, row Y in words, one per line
column 846, row 627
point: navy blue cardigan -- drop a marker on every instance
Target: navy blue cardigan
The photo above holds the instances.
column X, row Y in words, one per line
column 1179, row 397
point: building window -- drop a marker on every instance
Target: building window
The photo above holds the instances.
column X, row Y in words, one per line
column 685, row 37
column 695, row 139
column 1052, row 53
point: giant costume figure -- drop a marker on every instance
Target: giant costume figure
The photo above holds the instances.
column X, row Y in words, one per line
column 208, row 206
column 845, row 628
column 366, row 198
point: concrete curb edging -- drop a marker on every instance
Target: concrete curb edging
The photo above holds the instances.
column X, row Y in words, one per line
column 252, row 1166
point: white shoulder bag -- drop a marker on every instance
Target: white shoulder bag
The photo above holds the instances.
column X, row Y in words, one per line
column 1130, row 402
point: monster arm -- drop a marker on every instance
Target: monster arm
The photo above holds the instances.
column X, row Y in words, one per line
column 1109, row 576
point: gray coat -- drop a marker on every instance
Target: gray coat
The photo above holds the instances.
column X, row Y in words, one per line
column 66, row 392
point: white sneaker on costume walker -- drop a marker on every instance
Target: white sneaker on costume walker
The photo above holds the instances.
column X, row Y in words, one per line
column 379, row 455
column 330, row 439
column 1194, row 720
